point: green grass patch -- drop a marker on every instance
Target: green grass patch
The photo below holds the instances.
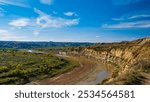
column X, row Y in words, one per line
column 20, row 67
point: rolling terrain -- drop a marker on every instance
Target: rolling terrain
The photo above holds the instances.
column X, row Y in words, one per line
column 122, row 63
column 31, row 45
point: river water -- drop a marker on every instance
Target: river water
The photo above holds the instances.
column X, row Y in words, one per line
column 96, row 77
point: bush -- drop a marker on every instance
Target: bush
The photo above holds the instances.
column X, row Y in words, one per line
column 22, row 68
column 134, row 79
column 3, row 69
column 115, row 73
column 144, row 65
column 11, row 80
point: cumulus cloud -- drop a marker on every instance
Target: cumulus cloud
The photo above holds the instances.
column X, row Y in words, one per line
column 21, row 22
column 46, row 21
column 70, row 14
column 43, row 21
column 20, row 3
column 49, row 21
column 137, row 24
column 47, row 2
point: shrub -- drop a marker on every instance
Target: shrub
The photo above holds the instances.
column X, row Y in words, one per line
column 3, row 69
column 115, row 73
column 134, row 79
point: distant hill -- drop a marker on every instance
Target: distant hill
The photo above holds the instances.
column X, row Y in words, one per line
column 29, row 45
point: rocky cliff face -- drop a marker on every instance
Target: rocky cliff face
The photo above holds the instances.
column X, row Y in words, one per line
column 125, row 57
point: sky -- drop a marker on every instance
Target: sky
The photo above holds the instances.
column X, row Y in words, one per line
column 74, row 20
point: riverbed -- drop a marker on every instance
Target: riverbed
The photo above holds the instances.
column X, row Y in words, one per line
column 89, row 72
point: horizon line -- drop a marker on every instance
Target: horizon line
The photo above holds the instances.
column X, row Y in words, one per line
column 73, row 41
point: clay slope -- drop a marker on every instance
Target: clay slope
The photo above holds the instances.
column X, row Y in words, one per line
column 130, row 60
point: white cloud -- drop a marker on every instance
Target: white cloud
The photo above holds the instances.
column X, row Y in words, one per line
column 137, row 24
column 46, row 21
column 97, row 36
column 42, row 21
column 21, row 22
column 132, row 21
column 47, row 2
column 49, row 21
column 36, row 33
column 70, row 13
column 39, row 12
column 3, row 31
column 6, row 35
column 139, row 16
column 20, row 3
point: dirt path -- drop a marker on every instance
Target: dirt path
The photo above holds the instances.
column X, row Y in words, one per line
column 88, row 73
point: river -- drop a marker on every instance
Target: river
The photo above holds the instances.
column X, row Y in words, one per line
column 88, row 73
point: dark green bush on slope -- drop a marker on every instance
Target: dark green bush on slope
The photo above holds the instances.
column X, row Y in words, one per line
column 22, row 67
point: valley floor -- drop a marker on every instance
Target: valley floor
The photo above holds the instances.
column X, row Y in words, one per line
column 88, row 73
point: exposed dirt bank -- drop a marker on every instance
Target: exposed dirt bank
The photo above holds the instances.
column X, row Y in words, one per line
column 130, row 60
column 88, row 73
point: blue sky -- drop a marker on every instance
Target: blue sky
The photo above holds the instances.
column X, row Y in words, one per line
column 74, row 20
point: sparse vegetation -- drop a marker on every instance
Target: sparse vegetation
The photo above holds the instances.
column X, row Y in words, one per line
column 115, row 72
column 133, row 78
column 123, row 57
column 20, row 67
column 144, row 65
column 31, row 45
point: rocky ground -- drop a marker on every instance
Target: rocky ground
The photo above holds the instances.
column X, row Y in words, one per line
column 130, row 60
